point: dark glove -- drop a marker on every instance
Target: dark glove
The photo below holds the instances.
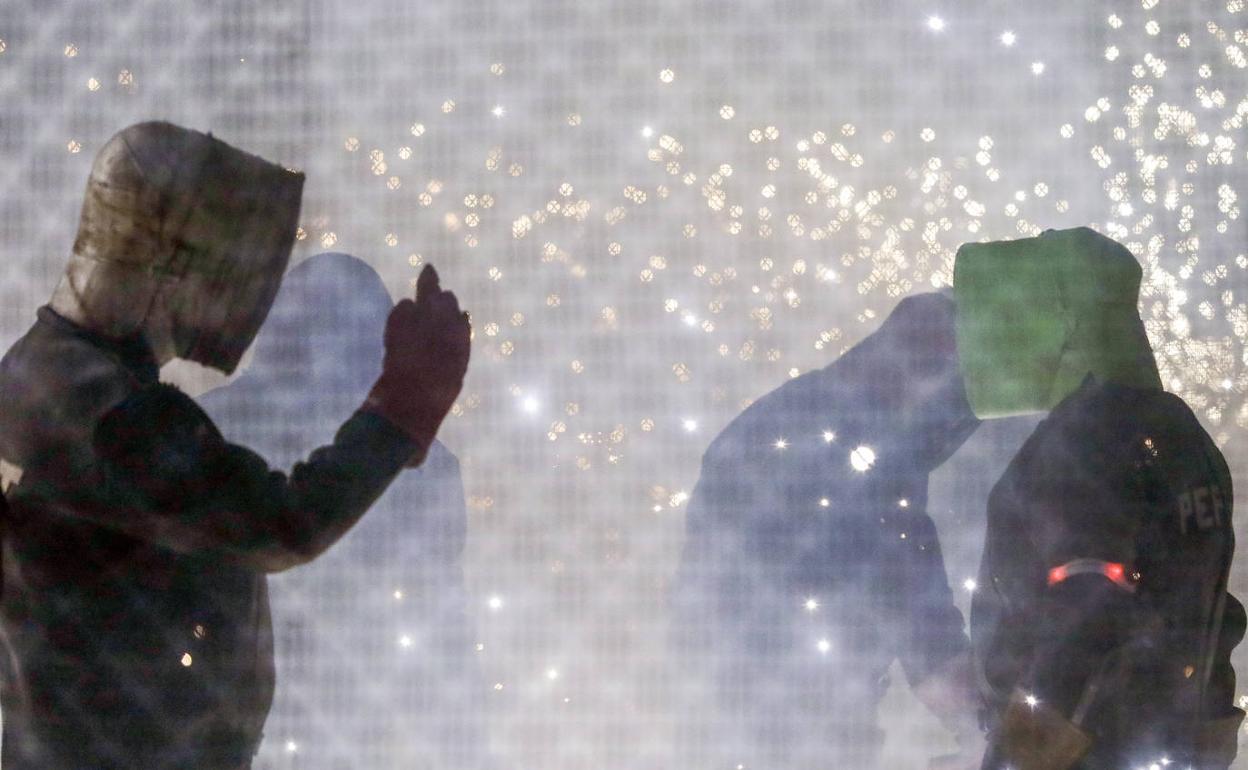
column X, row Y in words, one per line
column 427, row 344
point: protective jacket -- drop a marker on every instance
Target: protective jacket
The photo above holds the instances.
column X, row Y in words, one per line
column 1102, row 620
column 134, row 609
column 810, row 562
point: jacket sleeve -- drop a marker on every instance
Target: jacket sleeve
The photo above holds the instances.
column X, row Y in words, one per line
column 930, row 624
column 163, row 473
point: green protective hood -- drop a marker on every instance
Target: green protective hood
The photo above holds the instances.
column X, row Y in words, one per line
column 1037, row 315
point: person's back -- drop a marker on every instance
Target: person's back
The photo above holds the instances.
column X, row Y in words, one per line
column 810, row 563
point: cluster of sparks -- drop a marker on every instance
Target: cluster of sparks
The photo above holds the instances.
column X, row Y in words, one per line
column 1168, row 149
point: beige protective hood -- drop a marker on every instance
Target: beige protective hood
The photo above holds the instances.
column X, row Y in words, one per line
column 183, row 239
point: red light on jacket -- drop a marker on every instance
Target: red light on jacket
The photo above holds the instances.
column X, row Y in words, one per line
column 1113, row 571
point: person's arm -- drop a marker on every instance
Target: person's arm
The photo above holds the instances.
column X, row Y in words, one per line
column 164, row 474
column 931, row 625
column 160, row 471
column 934, row 650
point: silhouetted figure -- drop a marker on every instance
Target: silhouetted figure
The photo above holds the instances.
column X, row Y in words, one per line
column 811, row 564
column 375, row 652
column 134, row 610
column 1102, row 623
column 1103, row 620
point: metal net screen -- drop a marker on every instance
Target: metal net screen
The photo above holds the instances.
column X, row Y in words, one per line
column 656, row 212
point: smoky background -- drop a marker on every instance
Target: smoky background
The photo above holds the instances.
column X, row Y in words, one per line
column 657, row 211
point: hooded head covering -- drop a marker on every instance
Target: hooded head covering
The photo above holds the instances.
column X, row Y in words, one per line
column 183, row 239
column 1037, row 315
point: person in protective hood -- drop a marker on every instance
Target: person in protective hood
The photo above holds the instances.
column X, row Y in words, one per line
column 811, row 564
column 374, row 647
column 1102, row 625
column 134, row 610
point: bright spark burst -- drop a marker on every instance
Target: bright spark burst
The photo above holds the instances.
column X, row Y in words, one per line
column 862, row 458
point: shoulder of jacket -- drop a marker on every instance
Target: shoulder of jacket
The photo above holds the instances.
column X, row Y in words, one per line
column 53, row 391
column 157, row 411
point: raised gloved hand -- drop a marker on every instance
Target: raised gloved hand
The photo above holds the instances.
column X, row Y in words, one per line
column 427, row 346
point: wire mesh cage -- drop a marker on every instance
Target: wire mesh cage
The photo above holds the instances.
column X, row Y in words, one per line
column 656, row 213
